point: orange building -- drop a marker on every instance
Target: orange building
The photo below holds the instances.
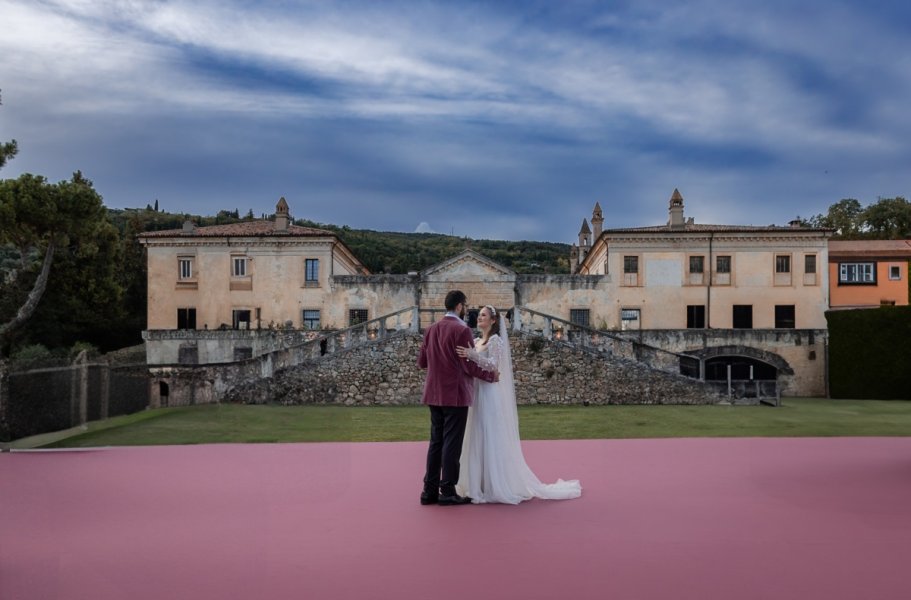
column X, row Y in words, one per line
column 868, row 273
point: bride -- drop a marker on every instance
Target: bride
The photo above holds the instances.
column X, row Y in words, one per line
column 493, row 468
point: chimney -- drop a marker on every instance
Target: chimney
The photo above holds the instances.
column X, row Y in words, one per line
column 281, row 215
column 597, row 222
column 795, row 223
column 676, row 211
column 189, row 228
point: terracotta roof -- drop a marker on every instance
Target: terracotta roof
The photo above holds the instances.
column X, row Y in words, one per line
column 706, row 228
column 870, row 248
column 261, row 228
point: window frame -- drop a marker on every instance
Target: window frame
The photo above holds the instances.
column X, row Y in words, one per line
column 898, row 272
column 630, row 259
column 695, row 316
column 185, row 274
column 806, row 263
column 868, row 268
column 239, row 260
column 354, row 313
column 304, row 319
column 187, row 315
column 311, row 279
column 718, row 268
column 699, row 261
column 586, row 312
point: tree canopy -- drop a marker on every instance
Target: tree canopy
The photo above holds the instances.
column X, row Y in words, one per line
column 40, row 221
column 887, row 218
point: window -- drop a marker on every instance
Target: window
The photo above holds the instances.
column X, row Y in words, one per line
column 629, row 318
column 697, row 264
column 239, row 268
column 743, row 316
column 809, row 263
column 186, row 318
column 783, row 264
column 630, row 264
column 311, row 272
column 858, row 273
column 895, row 272
column 629, row 314
column 241, row 318
column 579, row 316
column 185, row 268
column 723, row 264
column 784, row 316
column 357, row 315
column 311, row 319
column 695, row 316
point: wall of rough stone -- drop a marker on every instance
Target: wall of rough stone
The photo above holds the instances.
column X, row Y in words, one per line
column 803, row 350
column 386, row 373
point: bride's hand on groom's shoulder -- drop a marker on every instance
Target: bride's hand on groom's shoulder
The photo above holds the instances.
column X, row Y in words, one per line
column 462, row 351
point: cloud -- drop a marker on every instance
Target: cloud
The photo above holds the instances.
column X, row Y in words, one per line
column 520, row 116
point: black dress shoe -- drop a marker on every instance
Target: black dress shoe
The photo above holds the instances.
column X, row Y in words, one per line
column 429, row 498
column 454, row 500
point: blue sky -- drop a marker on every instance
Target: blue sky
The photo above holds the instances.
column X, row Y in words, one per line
column 503, row 120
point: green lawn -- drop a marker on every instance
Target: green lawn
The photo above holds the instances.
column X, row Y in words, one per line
column 231, row 423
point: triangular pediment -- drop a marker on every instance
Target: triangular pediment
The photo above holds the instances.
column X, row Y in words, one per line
column 467, row 264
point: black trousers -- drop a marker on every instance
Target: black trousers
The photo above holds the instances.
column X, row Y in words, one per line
column 447, row 429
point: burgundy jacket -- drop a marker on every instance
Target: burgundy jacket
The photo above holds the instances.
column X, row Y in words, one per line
column 448, row 376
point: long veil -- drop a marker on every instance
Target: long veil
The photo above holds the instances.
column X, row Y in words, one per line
column 493, row 464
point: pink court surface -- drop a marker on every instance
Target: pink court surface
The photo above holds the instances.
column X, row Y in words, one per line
column 679, row 518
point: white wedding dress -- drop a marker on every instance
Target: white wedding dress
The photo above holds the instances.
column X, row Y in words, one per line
column 493, row 468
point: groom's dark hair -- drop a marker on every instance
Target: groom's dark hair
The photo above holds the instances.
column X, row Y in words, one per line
column 454, row 298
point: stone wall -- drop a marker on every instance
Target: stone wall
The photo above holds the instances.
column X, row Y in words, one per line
column 802, row 351
column 386, row 373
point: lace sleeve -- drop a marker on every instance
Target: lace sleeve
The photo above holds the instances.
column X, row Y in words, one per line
column 490, row 362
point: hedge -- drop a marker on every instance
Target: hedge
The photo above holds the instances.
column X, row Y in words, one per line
column 870, row 353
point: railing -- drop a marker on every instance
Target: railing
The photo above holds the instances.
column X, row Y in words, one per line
column 766, row 391
column 377, row 329
column 555, row 329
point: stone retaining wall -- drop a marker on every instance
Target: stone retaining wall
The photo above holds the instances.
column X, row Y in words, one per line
column 386, row 373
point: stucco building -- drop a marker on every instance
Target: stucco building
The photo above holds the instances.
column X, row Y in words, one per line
column 868, row 273
column 688, row 275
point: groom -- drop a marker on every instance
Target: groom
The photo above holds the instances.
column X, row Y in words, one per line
column 448, row 392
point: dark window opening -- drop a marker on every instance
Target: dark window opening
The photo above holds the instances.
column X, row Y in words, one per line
column 723, row 264
column 809, row 263
column 784, row 316
column 697, row 264
column 630, row 264
column 311, row 319
column 743, row 316
column 472, row 317
column 579, row 316
column 356, row 316
column 241, row 319
column 186, row 318
column 742, row 369
column 782, row 264
column 311, row 275
column 243, row 353
column 695, row 316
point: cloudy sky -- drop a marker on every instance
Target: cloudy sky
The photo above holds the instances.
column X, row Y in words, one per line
column 503, row 120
